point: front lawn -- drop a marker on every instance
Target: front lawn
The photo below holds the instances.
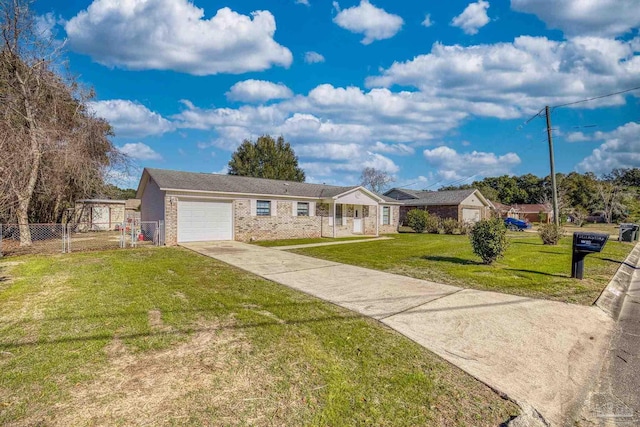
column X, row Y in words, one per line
column 529, row 268
column 169, row 337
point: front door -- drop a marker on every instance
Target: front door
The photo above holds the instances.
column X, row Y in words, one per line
column 357, row 219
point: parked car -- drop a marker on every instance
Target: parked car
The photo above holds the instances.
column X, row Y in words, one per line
column 514, row 224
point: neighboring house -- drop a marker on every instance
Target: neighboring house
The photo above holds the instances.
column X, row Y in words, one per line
column 100, row 214
column 537, row 212
column 205, row 206
column 505, row 211
column 461, row 205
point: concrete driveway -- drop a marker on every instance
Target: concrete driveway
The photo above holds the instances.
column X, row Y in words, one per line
column 542, row 354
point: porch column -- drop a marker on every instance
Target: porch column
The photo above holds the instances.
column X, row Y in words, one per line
column 378, row 218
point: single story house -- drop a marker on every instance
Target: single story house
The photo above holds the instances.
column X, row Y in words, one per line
column 99, row 214
column 462, row 205
column 206, row 206
column 537, row 212
column 505, row 211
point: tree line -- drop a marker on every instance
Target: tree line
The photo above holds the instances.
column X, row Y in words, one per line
column 614, row 196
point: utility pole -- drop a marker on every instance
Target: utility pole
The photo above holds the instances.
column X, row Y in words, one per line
column 556, row 217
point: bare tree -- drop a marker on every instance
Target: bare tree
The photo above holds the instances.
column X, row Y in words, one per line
column 375, row 180
column 609, row 199
column 49, row 140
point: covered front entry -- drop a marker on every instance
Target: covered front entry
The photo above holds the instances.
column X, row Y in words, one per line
column 201, row 220
column 354, row 212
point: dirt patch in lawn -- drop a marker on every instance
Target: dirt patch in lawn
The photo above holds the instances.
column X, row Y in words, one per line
column 213, row 377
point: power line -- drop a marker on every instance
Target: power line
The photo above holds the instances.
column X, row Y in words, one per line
column 595, row 97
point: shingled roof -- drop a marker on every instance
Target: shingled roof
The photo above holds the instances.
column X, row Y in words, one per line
column 209, row 182
column 428, row 198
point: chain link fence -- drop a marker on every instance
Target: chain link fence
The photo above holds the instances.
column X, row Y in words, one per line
column 24, row 239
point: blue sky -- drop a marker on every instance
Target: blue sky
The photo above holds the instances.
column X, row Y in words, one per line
column 434, row 93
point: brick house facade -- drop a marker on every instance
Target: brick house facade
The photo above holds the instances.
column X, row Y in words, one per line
column 221, row 207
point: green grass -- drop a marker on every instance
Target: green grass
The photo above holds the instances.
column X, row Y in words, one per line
column 529, row 268
column 291, row 242
column 168, row 337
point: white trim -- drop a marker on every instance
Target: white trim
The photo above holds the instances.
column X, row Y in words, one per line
column 364, row 190
column 273, row 207
column 312, row 208
column 254, row 207
column 103, row 201
column 261, row 196
column 294, row 208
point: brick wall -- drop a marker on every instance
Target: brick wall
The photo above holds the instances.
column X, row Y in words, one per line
column 393, row 227
column 170, row 220
column 282, row 226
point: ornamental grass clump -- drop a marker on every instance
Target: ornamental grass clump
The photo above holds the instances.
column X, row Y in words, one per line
column 489, row 239
column 550, row 234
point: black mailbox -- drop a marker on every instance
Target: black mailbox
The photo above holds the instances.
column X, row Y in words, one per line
column 583, row 245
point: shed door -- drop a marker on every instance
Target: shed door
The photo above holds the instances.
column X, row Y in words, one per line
column 199, row 221
column 470, row 215
column 100, row 217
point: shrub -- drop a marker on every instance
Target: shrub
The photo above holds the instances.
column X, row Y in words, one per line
column 450, row 226
column 550, row 234
column 489, row 239
column 433, row 224
column 417, row 220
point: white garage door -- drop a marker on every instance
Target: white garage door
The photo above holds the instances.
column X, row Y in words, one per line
column 199, row 221
column 470, row 215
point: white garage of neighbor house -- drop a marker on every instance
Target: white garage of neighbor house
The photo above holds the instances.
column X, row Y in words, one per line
column 204, row 206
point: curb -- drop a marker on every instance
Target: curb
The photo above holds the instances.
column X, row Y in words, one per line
column 612, row 297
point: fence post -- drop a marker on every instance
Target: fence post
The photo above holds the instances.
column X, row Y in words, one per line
column 0, row 240
column 161, row 233
column 64, row 238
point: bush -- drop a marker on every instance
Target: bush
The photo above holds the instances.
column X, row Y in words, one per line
column 417, row 220
column 550, row 234
column 450, row 226
column 489, row 239
column 433, row 224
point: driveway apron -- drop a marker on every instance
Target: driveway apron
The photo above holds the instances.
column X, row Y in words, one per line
column 542, row 354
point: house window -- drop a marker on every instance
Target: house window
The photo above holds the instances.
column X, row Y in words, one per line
column 303, row 209
column 386, row 215
column 338, row 214
column 263, row 208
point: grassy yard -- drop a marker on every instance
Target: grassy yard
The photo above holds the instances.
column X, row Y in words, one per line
column 529, row 268
column 291, row 242
column 167, row 337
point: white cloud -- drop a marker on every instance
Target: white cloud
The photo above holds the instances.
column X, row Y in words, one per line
column 173, row 35
column 513, row 79
column 577, row 137
column 44, row 25
column 473, row 17
column 453, row 165
column 605, row 18
column 139, row 151
column 427, row 20
column 258, row 91
column 373, row 22
column 621, row 149
column 304, row 2
column 131, row 119
column 313, row 57
column 397, row 149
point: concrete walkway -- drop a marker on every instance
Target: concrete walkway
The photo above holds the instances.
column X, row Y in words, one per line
column 542, row 354
column 336, row 242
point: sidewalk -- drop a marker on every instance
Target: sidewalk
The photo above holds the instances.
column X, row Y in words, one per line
column 542, row 354
column 615, row 400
